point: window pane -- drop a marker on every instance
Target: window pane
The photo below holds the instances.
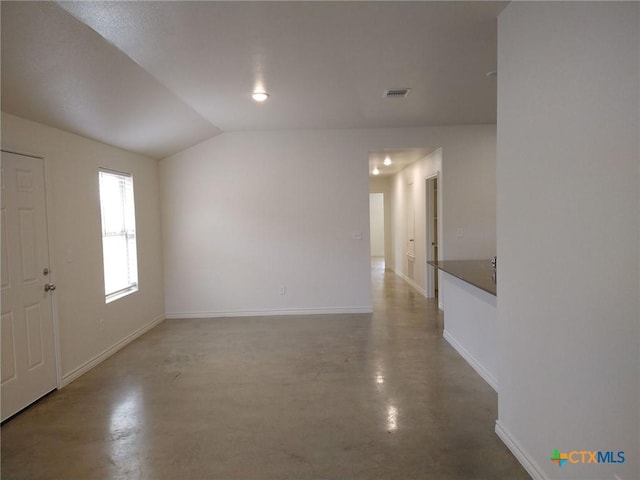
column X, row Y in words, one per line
column 118, row 232
column 112, row 204
column 116, row 273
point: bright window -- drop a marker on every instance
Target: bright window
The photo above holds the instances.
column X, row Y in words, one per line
column 118, row 234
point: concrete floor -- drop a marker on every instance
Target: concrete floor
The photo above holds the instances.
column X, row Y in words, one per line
column 292, row 397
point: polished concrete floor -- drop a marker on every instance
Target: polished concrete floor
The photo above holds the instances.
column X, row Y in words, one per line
column 308, row 397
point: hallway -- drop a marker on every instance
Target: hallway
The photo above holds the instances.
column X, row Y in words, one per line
column 288, row 397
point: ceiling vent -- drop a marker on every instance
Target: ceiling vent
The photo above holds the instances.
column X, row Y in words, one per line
column 396, row 92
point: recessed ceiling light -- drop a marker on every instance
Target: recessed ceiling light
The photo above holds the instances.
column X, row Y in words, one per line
column 387, row 161
column 375, row 171
column 259, row 96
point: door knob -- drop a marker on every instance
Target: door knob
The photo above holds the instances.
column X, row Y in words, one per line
column 49, row 287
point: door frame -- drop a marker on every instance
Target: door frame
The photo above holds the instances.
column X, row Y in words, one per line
column 48, row 200
column 430, row 271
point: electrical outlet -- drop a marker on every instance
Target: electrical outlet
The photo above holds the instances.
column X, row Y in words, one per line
column 283, row 289
column 101, row 324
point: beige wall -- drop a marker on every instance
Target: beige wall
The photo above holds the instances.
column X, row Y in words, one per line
column 71, row 165
column 568, row 234
column 246, row 212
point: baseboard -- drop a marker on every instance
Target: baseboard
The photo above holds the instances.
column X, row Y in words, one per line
column 411, row 283
column 519, row 452
column 268, row 313
column 471, row 360
column 101, row 357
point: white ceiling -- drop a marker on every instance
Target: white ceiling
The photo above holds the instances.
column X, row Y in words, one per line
column 156, row 77
column 57, row 71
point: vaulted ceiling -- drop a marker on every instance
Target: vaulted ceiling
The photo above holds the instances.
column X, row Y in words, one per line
column 158, row 77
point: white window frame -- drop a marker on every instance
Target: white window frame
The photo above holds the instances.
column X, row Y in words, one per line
column 127, row 200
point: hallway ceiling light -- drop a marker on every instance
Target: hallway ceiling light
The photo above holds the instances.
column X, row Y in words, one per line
column 259, row 96
column 387, row 161
column 375, row 171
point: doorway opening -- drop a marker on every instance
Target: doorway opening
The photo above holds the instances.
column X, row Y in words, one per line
column 377, row 230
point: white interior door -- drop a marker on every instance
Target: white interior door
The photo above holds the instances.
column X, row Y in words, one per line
column 431, row 234
column 411, row 223
column 28, row 369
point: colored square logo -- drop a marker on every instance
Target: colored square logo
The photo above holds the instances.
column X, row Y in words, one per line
column 559, row 458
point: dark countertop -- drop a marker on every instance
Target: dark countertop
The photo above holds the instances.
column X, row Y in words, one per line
column 475, row 272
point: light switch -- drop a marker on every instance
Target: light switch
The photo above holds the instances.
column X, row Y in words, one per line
column 460, row 233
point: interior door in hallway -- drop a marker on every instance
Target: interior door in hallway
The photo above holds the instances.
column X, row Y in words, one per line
column 411, row 223
column 28, row 369
column 431, row 236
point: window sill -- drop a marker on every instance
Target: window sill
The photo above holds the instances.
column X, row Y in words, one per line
column 112, row 297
